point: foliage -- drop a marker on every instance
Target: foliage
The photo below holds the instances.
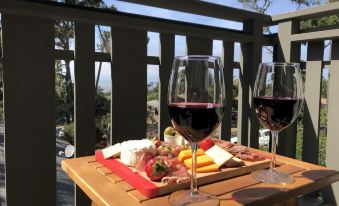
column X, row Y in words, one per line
column 105, row 41
column 322, row 137
column 319, row 22
column 102, row 121
column 299, row 143
column 322, row 148
column 63, row 95
column 102, row 130
column 153, row 92
column 261, row 6
column 324, row 85
column 102, row 118
column 103, row 103
column 257, row 5
column 64, row 87
column 64, row 34
column 69, row 133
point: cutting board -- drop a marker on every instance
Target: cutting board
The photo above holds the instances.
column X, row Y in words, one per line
column 149, row 188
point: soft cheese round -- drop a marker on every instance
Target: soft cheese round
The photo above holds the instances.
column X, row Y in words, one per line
column 132, row 150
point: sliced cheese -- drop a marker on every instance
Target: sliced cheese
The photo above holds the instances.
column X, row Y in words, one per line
column 111, row 151
column 208, row 168
column 185, row 154
column 132, row 151
column 202, row 160
column 219, row 155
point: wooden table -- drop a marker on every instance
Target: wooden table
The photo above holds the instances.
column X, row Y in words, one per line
column 105, row 188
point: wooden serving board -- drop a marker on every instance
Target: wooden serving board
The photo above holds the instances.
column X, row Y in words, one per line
column 140, row 182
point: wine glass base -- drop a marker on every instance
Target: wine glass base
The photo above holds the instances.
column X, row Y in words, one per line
column 273, row 177
column 186, row 197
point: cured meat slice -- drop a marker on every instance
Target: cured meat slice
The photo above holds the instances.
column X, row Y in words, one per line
column 249, row 156
column 177, row 172
column 241, row 152
column 237, row 149
column 140, row 166
column 223, row 144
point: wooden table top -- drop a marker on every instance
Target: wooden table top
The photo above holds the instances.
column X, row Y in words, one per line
column 105, row 188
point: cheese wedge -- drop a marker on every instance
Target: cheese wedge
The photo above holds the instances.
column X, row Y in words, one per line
column 111, row 151
column 185, row 154
column 208, row 168
column 202, row 160
column 219, row 155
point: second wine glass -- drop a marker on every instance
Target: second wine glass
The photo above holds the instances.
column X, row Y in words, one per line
column 196, row 98
column 278, row 97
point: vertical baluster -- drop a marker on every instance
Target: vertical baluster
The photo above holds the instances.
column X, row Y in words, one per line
column 332, row 142
column 129, row 84
column 315, row 52
column 167, row 43
column 248, row 125
column 228, row 54
column 29, row 104
column 287, row 51
column 198, row 46
column 84, row 67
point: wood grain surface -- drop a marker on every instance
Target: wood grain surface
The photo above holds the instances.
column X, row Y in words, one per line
column 106, row 188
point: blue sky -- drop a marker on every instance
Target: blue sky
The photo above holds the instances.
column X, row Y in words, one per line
column 277, row 7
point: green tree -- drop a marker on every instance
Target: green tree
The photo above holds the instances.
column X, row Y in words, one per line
column 64, row 36
column 261, row 6
column 153, row 92
column 102, row 118
column 257, row 5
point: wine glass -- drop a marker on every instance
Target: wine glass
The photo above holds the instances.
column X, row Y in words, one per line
column 278, row 97
column 196, row 98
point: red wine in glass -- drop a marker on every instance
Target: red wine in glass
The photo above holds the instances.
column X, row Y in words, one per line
column 195, row 121
column 196, row 99
column 276, row 113
column 277, row 96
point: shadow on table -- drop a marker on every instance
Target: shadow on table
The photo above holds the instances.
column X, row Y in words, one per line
column 246, row 196
column 318, row 174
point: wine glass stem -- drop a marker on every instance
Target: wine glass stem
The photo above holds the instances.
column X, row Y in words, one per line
column 275, row 135
column 194, row 184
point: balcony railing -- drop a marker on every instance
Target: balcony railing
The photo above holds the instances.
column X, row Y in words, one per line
column 29, row 80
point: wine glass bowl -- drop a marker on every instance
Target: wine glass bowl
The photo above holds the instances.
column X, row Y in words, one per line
column 196, row 98
column 278, row 97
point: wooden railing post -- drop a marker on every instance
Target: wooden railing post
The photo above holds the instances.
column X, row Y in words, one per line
column 332, row 142
column 198, row 46
column 167, row 43
column 29, row 105
column 287, row 51
column 84, row 124
column 129, row 84
column 315, row 52
column 248, row 125
column 228, row 54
